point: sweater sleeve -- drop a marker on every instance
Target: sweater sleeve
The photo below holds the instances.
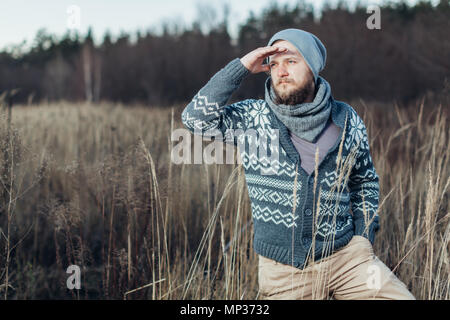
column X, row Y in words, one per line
column 208, row 111
column 364, row 190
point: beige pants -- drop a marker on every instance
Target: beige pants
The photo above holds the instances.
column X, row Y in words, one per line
column 352, row 272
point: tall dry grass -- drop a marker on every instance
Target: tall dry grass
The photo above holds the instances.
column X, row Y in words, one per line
column 93, row 185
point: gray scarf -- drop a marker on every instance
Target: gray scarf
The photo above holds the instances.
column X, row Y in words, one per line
column 305, row 120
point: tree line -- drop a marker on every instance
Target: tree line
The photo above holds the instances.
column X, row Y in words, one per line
column 405, row 59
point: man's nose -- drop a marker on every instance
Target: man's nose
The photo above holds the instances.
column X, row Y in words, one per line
column 282, row 71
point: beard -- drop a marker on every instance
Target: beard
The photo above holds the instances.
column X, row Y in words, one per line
column 297, row 96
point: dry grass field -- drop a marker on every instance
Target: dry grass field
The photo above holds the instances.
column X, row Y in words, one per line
column 93, row 185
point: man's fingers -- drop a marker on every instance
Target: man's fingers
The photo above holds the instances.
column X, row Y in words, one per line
column 271, row 50
column 255, row 57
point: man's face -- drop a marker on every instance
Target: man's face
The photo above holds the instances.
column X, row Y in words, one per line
column 292, row 80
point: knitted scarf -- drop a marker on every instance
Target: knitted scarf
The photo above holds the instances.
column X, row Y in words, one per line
column 305, row 120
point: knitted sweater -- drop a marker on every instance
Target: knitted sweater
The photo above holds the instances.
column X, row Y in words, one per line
column 292, row 225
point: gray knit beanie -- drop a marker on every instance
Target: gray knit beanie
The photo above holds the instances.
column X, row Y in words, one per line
column 309, row 46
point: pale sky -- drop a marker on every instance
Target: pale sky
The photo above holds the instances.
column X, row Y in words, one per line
column 21, row 19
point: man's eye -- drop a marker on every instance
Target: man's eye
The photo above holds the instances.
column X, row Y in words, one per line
column 292, row 61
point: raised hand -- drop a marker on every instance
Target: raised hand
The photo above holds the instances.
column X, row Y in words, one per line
column 253, row 60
